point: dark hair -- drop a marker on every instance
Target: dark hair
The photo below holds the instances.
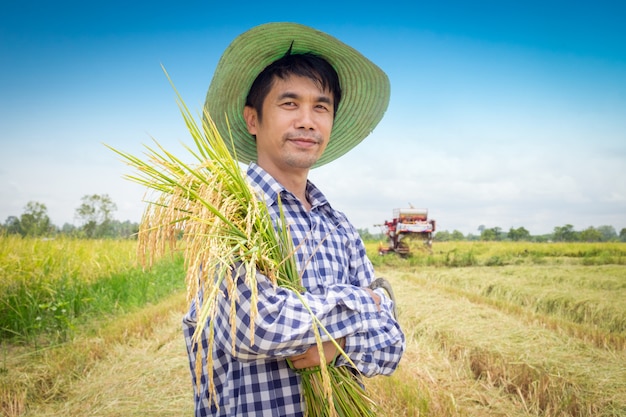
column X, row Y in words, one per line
column 306, row 65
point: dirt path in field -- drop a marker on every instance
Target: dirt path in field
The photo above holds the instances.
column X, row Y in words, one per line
column 142, row 377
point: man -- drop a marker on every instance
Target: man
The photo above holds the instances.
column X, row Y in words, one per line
column 294, row 98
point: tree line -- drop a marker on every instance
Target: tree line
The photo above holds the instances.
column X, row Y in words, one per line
column 560, row 234
column 94, row 217
column 564, row 233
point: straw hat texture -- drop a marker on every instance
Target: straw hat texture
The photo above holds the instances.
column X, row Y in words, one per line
column 365, row 87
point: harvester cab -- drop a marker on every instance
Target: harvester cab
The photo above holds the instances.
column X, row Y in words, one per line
column 410, row 229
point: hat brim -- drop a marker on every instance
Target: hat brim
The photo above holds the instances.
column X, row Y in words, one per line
column 365, row 87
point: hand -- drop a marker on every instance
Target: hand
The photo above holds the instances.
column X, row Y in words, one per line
column 311, row 357
column 375, row 296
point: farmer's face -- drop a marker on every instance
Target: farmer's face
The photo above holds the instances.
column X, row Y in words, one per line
column 296, row 125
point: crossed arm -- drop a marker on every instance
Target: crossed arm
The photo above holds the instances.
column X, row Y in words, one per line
column 360, row 318
column 311, row 357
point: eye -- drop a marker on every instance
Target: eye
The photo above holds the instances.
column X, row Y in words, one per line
column 322, row 107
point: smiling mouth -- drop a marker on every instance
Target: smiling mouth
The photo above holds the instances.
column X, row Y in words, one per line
column 304, row 144
column 304, row 140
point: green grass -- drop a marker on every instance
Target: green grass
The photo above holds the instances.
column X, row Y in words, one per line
column 461, row 254
column 50, row 287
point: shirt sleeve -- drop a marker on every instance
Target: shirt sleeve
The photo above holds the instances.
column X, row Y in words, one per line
column 377, row 347
column 283, row 325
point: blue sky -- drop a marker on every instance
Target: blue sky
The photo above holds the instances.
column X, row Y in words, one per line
column 502, row 114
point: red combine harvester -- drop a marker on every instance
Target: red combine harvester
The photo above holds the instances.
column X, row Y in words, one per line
column 409, row 229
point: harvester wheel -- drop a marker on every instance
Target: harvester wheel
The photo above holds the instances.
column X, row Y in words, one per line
column 403, row 248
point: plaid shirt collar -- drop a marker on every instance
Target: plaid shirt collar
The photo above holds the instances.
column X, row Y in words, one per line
column 269, row 189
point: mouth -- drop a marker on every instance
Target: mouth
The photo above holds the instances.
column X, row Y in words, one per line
column 304, row 141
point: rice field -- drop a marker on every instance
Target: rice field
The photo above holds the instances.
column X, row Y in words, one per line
column 53, row 294
column 541, row 332
column 493, row 329
column 47, row 287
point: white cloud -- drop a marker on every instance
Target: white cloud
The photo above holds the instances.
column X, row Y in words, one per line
column 505, row 186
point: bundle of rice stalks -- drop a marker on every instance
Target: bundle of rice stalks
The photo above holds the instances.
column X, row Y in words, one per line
column 223, row 226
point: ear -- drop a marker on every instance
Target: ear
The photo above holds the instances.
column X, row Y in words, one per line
column 250, row 116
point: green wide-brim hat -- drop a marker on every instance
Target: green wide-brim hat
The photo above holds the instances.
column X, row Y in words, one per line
column 365, row 87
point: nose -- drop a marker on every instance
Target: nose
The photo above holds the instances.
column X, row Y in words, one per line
column 306, row 118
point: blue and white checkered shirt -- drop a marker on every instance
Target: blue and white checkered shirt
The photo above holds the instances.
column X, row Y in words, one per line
column 255, row 380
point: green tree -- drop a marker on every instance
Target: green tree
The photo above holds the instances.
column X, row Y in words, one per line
column 12, row 225
column 366, row 235
column 519, row 234
column 622, row 234
column 125, row 229
column 68, row 229
column 608, row 233
column 457, row 236
column 35, row 221
column 489, row 234
column 591, row 234
column 442, row 236
column 565, row 234
column 96, row 214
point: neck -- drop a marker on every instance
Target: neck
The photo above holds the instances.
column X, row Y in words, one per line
column 294, row 181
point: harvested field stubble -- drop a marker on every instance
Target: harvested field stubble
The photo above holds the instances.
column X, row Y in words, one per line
column 585, row 302
column 538, row 370
column 57, row 381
